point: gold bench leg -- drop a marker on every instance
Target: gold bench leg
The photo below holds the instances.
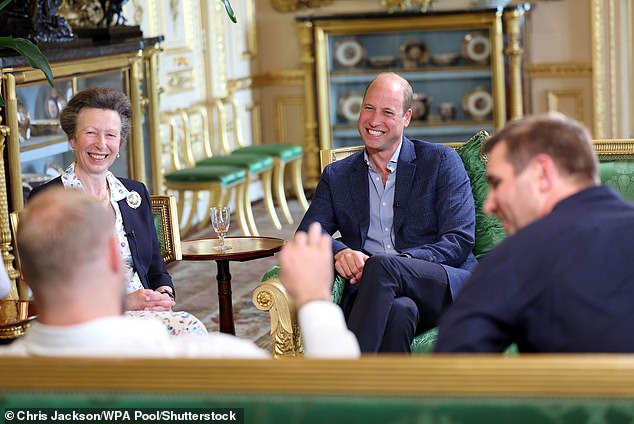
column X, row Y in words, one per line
column 192, row 211
column 278, row 187
column 266, row 178
column 180, row 206
column 271, row 296
column 247, row 207
column 240, row 209
column 296, row 169
column 215, row 197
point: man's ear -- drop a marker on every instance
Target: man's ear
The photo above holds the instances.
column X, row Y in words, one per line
column 407, row 118
column 546, row 171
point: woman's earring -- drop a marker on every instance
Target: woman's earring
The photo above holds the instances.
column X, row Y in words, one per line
column 118, row 155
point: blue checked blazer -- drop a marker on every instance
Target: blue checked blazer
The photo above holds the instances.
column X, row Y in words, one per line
column 434, row 214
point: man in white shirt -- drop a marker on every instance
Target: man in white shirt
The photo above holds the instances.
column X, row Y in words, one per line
column 71, row 260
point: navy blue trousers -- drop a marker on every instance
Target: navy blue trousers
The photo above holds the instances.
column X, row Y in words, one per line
column 396, row 299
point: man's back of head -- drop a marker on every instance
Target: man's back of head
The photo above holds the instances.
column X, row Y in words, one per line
column 565, row 140
column 68, row 251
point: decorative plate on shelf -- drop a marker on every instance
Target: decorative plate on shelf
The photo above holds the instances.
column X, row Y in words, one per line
column 414, row 53
column 42, row 127
column 350, row 106
column 379, row 62
column 478, row 103
column 445, row 59
column 420, row 106
column 476, row 47
column 349, row 52
column 55, row 103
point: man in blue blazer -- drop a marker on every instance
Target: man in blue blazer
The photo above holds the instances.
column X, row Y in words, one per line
column 405, row 213
column 562, row 281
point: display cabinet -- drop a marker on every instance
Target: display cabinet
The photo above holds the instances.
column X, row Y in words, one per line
column 36, row 147
column 458, row 63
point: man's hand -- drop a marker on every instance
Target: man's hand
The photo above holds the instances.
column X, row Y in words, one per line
column 149, row 300
column 349, row 264
column 306, row 266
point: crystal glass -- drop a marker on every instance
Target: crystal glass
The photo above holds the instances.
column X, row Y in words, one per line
column 220, row 222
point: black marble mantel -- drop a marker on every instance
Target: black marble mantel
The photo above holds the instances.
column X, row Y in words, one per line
column 59, row 52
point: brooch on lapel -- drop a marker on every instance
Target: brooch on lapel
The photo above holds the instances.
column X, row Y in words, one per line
column 133, row 199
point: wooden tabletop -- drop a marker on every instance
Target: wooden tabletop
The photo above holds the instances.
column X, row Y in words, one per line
column 243, row 248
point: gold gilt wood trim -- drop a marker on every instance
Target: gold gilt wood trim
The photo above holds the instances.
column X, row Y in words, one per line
column 629, row 10
column 559, row 70
column 598, row 60
column 294, row 5
column 612, row 35
column 480, row 376
column 614, row 148
column 270, row 295
column 5, row 230
column 251, row 44
column 239, row 84
column 282, row 104
column 514, row 52
column 553, row 97
column 286, row 77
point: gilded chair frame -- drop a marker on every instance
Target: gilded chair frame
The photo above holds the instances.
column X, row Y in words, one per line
column 165, row 213
column 270, row 295
column 22, row 287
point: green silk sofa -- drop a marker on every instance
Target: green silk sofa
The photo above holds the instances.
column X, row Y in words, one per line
column 616, row 165
column 384, row 389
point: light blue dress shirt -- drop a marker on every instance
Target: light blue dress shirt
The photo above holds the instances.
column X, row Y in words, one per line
column 380, row 238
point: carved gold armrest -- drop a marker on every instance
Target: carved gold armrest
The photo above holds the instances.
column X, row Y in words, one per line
column 271, row 296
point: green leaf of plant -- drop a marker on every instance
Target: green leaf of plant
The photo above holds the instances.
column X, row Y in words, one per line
column 31, row 53
column 229, row 10
column 4, row 3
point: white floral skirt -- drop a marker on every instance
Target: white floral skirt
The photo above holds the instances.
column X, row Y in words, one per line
column 179, row 323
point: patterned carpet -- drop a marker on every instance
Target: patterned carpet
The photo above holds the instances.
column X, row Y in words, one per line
column 196, row 287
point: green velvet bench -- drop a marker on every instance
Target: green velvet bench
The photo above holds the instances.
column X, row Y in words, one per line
column 616, row 169
column 434, row 389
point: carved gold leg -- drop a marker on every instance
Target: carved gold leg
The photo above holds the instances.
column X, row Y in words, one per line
column 296, row 168
column 278, row 187
column 180, row 206
column 271, row 296
column 240, row 209
column 266, row 178
column 215, row 197
column 192, row 211
column 247, row 207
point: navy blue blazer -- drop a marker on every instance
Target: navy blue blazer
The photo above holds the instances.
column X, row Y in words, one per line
column 564, row 283
column 139, row 228
column 434, row 214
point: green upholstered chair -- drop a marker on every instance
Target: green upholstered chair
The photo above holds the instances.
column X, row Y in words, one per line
column 256, row 165
column 283, row 155
column 184, row 177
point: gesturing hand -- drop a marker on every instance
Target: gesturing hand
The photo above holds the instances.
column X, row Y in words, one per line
column 306, row 266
